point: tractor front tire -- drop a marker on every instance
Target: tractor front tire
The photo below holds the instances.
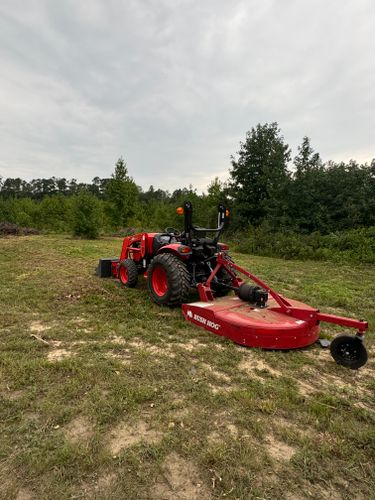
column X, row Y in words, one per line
column 168, row 280
column 128, row 273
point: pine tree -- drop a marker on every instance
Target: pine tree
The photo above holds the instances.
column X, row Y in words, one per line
column 306, row 202
column 122, row 194
column 259, row 176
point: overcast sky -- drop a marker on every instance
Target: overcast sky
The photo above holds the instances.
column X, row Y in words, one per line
column 173, row 85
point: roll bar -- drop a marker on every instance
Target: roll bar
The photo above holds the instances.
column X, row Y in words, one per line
column 190, row 228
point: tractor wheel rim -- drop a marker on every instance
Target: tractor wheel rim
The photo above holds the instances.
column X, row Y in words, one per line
column 348, row 351
column 123, row 274
column 159, row 281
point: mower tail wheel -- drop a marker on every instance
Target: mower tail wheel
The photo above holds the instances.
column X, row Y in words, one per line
column 349, row 351
column 168, row 280
column 128, row 273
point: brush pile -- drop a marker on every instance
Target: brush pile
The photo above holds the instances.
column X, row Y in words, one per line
column 10, row 229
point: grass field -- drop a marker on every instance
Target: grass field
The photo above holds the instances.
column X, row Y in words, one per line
column 127, row 400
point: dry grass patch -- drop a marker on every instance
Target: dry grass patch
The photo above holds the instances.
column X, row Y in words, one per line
column 306, row 389
column 181, row 480
column 192, row 345
column 221, row 388
column 159, row 350
column 320, row 492
column 24, row 494
column 278, row 449
column 38, row 327
column 127, row 434
column 220, row 434
column 124, row 357
column 11, row 395
column 79, row 430
column 318, row 381
column 59, row 354
column 100, row 486
column 223, row 377
column 250, row 363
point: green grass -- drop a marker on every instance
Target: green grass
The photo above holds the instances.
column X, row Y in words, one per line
column 128, row 400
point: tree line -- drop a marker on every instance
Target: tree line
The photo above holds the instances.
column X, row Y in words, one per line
column 266, row 188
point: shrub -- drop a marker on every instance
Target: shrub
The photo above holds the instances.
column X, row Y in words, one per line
column 86, row 215
column 355, row 245
column 55, row 214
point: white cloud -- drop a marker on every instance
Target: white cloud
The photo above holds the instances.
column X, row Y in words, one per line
column 173, row 86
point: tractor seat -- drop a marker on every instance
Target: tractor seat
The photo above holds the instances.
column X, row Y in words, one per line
column 162, row 239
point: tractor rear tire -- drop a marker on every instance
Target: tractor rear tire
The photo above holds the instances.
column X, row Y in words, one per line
column 128, row 273
column 168, row 280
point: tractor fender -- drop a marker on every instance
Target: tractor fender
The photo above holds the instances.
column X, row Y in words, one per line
column 183, row 252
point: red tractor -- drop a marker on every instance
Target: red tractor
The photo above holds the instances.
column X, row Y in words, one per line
column 175, row 263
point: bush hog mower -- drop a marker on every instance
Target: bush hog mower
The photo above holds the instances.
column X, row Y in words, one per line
column 176, row 262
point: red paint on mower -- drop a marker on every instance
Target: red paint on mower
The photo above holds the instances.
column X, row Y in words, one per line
column 276, row 322
column 254, row 327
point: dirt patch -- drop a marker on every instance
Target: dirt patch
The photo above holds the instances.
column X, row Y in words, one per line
column 24, row 494
column 249, row 364
column 323, row 382
column 11, row 395
column 59, row 354
column 159, row 350
column 216, row 373
column 364, row 406
column 180, row 479
column 79, row 430
column 123, row 357
column 218, row 435
column 165, row 314
column 116, row 339
column 223, row 427
column 105, row 481
column 128, row 434
column 305, row 389
column 192, row 345
column 38, row 327
column 279, row 450
column 232, row 429
column 180, row 410
column 219, row 388
column 79, row 320
column 326, row 492
column 281, row 422
column 100, row 485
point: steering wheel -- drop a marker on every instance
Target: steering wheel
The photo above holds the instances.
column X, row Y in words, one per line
column 172, row 231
